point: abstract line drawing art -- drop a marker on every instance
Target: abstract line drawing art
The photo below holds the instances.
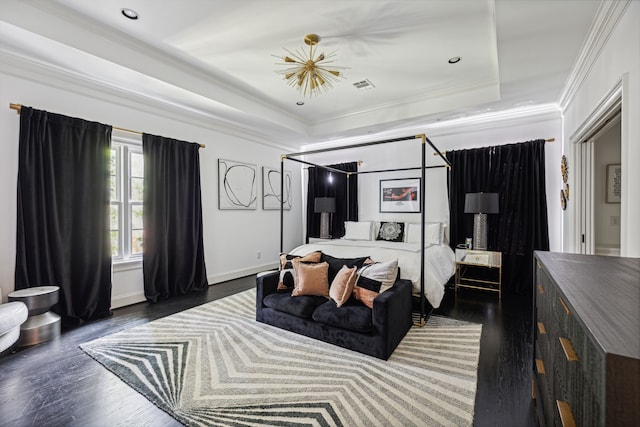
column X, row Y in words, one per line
column 271, row 188
column 237, row 187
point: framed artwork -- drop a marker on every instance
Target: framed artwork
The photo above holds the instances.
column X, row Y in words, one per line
column 237, row 186
column 400, row 195
column 614, row 184
column 271, row 189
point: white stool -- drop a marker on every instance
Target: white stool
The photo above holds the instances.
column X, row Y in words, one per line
column 41, row 325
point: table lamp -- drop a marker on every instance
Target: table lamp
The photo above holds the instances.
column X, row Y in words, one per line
column 480, row 204
column 324, row 206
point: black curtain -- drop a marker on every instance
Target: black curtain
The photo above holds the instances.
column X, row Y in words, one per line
column 63, row 212
column 325, row 183
column 517, row 173
column 173, row 251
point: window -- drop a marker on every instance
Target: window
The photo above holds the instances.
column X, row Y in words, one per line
column 127, row 183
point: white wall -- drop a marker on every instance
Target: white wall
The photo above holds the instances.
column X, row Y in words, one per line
column 408, row 154
column 606, row 215
column 618, row 60
column 232, row 239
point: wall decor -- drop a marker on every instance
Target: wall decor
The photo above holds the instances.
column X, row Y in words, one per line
column 400, row 195
column 564, row 169
column 237, row 186
column 563, row 200
column 271, row 189
column 614, row 183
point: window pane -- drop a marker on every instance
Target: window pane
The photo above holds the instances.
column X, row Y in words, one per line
column 137, row 165
column 137, row 185
column 136, row 217
column 115, row 217
column 113, row 162
column 113, row 185
column 136, row 242
column 115, row 243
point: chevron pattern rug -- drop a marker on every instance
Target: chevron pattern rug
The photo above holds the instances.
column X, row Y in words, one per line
column 214, row 365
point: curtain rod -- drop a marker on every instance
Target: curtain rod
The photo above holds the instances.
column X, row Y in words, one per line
column 546, row 140
column 18, row 107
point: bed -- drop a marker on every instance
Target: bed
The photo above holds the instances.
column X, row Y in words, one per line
column 439, row 259
column 438, row 264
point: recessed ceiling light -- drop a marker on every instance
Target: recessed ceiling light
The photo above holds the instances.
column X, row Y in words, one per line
column 455, row 60
column 129, row 13
column 299, row 103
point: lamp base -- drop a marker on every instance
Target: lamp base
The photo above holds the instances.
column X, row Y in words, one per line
column 480, row 231
column 324, row 225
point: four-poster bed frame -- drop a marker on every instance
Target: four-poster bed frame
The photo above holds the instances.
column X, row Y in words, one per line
column 424, row 141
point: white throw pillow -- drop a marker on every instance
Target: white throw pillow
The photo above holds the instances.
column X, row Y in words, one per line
column 360, row 230
column 433, row 233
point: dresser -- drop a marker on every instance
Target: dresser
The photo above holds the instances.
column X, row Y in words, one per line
column 586, row 318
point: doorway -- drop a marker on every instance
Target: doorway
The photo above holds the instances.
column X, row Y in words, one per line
column 598, row 189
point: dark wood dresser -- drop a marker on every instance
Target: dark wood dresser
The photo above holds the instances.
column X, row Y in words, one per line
column 586, row 367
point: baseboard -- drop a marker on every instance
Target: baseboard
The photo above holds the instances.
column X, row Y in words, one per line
column 136, row 297
column 127, row 299
column 230, row 275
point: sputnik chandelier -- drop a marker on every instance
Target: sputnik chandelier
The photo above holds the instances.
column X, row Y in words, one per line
column 309, row 73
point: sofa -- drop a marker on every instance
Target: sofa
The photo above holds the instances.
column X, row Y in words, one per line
column 374, row 331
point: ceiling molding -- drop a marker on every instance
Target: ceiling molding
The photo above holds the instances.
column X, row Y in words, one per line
column 493, row 120
column 37, row 72
column 606, row 19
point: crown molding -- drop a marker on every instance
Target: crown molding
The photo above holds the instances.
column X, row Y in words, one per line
column 81, row 84
column 606, row 20
column 493, row 120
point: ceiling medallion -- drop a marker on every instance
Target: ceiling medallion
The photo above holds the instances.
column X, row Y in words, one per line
column 309, row 73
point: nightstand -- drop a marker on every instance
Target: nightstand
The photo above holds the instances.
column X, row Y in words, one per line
column 478, row 269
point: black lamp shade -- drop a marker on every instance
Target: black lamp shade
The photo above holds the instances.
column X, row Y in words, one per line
column 486, row 203
column 324, row 204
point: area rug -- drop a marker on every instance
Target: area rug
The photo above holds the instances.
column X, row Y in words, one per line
column 215, row 365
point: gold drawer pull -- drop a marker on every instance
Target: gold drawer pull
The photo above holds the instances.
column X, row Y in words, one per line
column 564, row 305
column 541, row 328
column 569, row 352
column 538, row 264
column 541, row 289
column 540, row 367
column 566, row 416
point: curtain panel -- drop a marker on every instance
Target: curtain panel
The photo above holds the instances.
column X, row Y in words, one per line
column 517, row 173
column 324, row 183
column 63, row 212
column 173, row 249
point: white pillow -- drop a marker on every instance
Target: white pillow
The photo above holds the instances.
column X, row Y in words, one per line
column 360, row 230
column 433, row 233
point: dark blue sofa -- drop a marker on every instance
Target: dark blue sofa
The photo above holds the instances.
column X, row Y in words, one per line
column 375, row 332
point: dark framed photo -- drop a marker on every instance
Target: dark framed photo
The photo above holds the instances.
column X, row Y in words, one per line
column 614, row 184
column 400, row 195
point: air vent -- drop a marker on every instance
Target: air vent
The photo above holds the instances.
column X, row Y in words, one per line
column 364, row 85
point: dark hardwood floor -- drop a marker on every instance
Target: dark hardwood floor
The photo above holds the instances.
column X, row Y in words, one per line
column 57, row 384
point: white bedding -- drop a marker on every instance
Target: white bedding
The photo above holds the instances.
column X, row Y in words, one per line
column 439, row 260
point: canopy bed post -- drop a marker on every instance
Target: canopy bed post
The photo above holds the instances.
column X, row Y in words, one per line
column 423, row 193
column 282, row 202
column 348, row 205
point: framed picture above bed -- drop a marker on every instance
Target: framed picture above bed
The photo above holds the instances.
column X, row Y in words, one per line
column 400, row 195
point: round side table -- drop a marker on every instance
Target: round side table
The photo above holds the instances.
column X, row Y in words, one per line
column 42, row 324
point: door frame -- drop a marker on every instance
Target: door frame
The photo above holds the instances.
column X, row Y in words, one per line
column 581, row 144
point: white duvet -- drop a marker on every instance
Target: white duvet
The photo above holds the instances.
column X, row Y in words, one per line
column 439, row 260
